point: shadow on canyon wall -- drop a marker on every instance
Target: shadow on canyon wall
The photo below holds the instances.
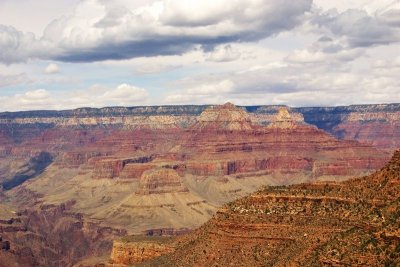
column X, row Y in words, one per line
column 35, row 166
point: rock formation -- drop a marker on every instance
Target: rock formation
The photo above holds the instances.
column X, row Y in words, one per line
column 162, row 169
column 224, row 117
column 160, row 180
column 353, row 223
column 378, row 125
column 52, row 236
column 283, row 119
column 133, row 250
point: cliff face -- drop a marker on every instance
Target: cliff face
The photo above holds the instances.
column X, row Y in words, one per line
column 160, row 180
column 372, row 124
column 287, row 144
column 350, row 223
column 135, row 250
column 225, row 117
column 378, row 125
column 52, row 236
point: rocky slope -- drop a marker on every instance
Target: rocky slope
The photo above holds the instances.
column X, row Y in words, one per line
column 352, row 223
column 51, row 236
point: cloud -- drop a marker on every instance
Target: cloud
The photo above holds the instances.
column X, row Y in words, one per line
column 325, row 50
column 14, row 79
column 34, row 99
column 325, row 79
column 223, row 53
column 52, row 69
column 101, row 96
column 154, row 68
column 16, row 46
column 357, row 28
column 204, row 93
column 38, row 94
column 125, row 94
column 95, row 96
column 101, row 30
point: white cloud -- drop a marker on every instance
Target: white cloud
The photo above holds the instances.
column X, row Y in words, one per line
column 211, row 92
column 155, row 68
column 329, row 79
column 13, row 79
column 36, row 95
column 100, row 30
column 223, row 53
column 124, row 94
column 33, row 99
column 95, row 96
column 52, row 69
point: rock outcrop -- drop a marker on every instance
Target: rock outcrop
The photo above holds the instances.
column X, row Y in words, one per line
column 215, row 147
column 378, row 125
column 160, row 180
column 284, row 120
column 129, row 251
column 109, row 167
column 224, row 117
column 350, row 223
column 53, row 236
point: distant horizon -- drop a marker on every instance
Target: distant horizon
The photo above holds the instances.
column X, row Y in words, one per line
column 195, row 105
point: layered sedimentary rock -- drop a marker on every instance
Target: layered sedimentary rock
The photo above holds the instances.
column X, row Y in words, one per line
column 160, row 180
column 378, row 125
column 125, row 173
column 284, row 119
column 374, row 124
column 285, row 144
column 350, row 223
column 108, row 168
column 378, row 129
column 52, row 236
column 77, row 158
column 135, row 171
column 133, row 250
column 224, row 117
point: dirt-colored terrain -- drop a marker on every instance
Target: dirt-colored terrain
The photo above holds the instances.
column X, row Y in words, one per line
column 351, row 223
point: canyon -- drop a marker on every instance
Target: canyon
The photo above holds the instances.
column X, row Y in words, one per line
column 350, row 223
column 90, row 176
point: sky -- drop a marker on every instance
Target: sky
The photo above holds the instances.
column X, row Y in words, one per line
column 63, row 54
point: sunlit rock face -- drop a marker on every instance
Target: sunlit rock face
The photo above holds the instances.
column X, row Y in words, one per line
column 377, row 125
column 160, row 180
column 224, row 117
column 332, row 223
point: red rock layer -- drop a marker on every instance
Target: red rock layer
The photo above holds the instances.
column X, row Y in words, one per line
column 160, row 180
column 381, row 134
column 222, row 142
column 108, row 168
column 139, row 250
column 353, row 223
column 53, row 236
